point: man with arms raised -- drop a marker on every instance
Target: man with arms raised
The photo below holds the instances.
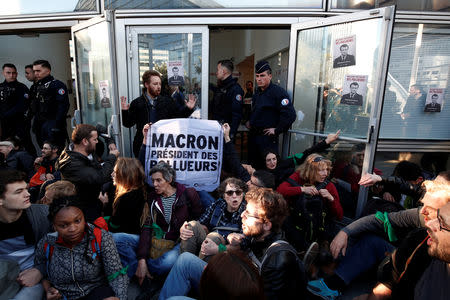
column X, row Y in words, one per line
column 151, row 107
column 22, row 225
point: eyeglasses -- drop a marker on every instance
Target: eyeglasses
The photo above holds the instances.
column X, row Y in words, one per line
column 246, row 214
column 442, row 225
column 318, row 158
column 231, row 192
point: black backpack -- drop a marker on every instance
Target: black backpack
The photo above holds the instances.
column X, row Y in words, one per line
column 307, row 220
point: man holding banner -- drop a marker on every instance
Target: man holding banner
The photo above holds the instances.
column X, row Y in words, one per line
column 151, row 107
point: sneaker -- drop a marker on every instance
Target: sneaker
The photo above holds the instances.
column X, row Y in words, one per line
column 320, row 289
column 310, row 255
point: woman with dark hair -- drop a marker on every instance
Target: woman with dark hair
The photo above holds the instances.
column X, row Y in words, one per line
column 169, row 206
column 129, row 178
column 78, row 260
column 209, row 233
column 282, row 169
column 314, row 200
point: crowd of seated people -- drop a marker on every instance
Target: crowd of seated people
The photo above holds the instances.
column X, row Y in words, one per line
column 93, row 227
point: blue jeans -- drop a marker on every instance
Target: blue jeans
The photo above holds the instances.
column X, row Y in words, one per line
column 30, row 292
column 186, row 273
column 362, row 256
column 127, row 245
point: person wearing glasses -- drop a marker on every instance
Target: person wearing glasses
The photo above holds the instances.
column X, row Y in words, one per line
column 282, row 274
column 362, row 244
column 420, row 267
column 208, row 235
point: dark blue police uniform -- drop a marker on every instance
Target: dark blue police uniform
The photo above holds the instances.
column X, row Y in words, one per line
column 52, row 105
column 271, row 108
column 227, row 104
column 13, row 105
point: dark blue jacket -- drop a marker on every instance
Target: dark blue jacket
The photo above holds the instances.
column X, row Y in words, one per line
column 272, row 108
column 52, row 102
column 227, row 103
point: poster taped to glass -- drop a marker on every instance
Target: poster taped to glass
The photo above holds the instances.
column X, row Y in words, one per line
column 434, row 100
column 344, row 52
column 175, row 71
column 354, row 90
column 103, row 86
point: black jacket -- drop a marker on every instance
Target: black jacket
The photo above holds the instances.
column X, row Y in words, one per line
column 88, row 176
column 227, row 103
column 138, row 114
column 22, row 161
column 281, row 274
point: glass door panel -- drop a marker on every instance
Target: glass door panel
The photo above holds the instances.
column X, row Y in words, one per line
column 328, row 93
column 337, row 73
column 94, row 74
column 179, row 54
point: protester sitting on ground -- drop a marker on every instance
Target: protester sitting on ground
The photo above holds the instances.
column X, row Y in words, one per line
column 169, row 206
column 17, row 159
column 45, row 169
column 314, row 203
column 282, row 169
column 282, row 273
column 364, row 242
column 422, row 261
column 79, row 164
column 93, row 271
column 216, row 282
column 22, row 225
column 404, row 186
column 221, row 218
column 56, row 190
column 129, row 178
column 233, row 164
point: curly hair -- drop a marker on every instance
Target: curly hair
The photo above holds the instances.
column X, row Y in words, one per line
column 167, row 172
column 312, row 165
column 273, row 204
column 232, row 181
column 60, row 203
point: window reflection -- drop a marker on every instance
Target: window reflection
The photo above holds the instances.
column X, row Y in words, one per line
column 417, row 76
column 196, row 4
column 419, row 5
column 24, row 7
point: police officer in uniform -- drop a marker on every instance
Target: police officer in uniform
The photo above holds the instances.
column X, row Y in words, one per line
column 227, row 100
column 272, row 114
column 51, row 105
column 13, row 104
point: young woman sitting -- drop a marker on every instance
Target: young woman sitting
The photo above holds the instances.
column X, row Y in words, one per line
column 79, row 260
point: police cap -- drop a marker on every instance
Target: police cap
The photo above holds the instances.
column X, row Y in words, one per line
column 262, row 66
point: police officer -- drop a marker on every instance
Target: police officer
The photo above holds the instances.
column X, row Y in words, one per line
column 52, row 104
column 13, row 104
column 227, row 100
column 272, row 114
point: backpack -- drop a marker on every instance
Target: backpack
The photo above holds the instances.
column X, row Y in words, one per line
column 96, row 243
column 281, row 245
column 222, row 230
column 307, row 220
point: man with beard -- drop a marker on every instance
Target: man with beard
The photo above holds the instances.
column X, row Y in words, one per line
column 283, row 275
column 409, row 260
column 79, row 165
column 151, row 107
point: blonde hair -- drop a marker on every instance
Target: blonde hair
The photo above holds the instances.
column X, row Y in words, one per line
column 309, row 168
column 59, row 188
column 439, row 185
column 129, row 176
